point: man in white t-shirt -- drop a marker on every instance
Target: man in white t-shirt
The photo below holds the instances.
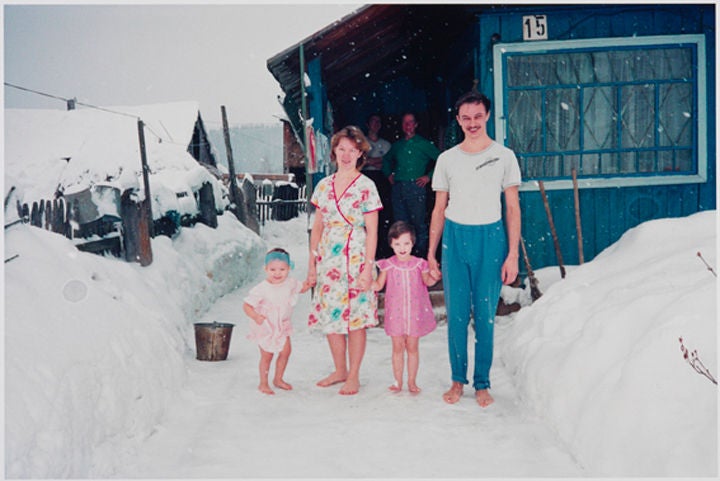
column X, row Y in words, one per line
column 479, row 252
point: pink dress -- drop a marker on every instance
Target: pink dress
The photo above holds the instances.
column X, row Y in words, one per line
column 275, row 302
column 408, row 310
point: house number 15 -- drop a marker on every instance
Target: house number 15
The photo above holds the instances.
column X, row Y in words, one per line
column 535, row 27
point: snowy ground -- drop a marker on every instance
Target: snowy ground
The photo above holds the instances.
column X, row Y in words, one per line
column 101, row 378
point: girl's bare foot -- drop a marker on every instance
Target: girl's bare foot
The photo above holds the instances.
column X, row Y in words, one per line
column 413, row 388
column 332, row 379
column 397, row 387
column 265, row 388
column 454, row 394
column 282, row 385
column 350, row 387
column 483, row 398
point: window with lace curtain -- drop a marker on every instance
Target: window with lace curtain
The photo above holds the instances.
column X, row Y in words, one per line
column 621, row 111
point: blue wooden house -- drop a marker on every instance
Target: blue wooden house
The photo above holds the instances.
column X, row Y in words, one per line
column 623, row 95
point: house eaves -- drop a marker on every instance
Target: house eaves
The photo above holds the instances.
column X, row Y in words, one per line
column 375, row 45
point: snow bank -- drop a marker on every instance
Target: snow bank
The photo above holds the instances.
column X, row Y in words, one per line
column 49, row 151
column 598, row 355
column 97, row 347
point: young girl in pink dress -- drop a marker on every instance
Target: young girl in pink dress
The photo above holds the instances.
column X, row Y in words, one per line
column 408, row 312
column 269, row 304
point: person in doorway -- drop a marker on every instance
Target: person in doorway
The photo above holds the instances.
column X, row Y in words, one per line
column 408, row 311
column 479, row 253
column 409, row 166
column 373, row 169
column 270, row 306
column 343, row 241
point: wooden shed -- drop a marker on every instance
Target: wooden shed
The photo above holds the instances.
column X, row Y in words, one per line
column 624, row 94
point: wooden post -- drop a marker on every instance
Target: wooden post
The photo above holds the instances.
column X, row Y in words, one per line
column 145, row 219
column 68, row 230
column 35, row 215
column 235, row 196
column 303, row 107
column 578, row 223
column 534, row 289
column 130, row 215
column 556, row 243
column 206, row 199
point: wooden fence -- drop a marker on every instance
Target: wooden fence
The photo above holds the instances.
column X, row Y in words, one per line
column 283, row 202
column 124, row 235
column 102, row 235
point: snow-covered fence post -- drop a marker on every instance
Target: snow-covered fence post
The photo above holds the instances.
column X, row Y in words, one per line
column 206, row 201
column 137, row 217
column 135, row 235
column 235, row 196
column 248, row 206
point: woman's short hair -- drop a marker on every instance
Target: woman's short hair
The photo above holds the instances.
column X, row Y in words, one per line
column 356, row 136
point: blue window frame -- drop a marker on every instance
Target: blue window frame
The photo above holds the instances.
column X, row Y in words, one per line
column 621, row 111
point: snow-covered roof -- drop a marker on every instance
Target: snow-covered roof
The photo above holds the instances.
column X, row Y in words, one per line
column 69, row 151
column 50, row 149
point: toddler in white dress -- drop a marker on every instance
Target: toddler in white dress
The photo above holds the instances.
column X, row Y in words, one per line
column 269, row 304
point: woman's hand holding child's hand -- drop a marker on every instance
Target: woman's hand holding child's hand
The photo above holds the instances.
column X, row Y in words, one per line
column 365, row 281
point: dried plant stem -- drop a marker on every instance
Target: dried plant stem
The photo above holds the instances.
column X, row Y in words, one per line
column 706, row 264
column 694, row 360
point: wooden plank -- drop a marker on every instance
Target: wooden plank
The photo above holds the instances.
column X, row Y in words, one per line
column 206, row 199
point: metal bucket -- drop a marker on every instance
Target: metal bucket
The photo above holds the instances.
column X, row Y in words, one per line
column 212, row 340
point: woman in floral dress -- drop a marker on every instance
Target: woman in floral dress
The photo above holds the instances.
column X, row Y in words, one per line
column 343, row 241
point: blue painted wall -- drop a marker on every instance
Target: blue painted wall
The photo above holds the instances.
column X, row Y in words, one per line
column 606, row 212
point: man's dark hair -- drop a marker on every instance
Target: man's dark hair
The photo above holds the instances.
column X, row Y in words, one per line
column 472, row 97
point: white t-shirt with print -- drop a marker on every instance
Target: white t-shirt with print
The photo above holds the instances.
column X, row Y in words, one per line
column 475, row 182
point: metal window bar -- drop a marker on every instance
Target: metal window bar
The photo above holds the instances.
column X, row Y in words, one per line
column 638, row 151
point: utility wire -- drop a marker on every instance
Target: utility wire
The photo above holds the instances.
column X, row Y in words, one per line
column 44, row 94
column 68, row 100
column 160, row 138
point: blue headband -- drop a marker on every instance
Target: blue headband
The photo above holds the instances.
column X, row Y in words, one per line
column 278, row 256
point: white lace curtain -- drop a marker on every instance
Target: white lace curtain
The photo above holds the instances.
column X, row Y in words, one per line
column 625, row 111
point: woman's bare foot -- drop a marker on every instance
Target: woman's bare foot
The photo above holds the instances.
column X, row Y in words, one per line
column 265, row 388
column 413, row 388
column 454, row 394
column 282, row 385
column 332, row 379
column 350, row 387
column 483, row 398
column 396, row 387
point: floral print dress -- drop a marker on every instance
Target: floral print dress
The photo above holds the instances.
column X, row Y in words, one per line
column 339, row 306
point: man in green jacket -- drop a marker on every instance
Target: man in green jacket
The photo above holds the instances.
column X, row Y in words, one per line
column 408, row 166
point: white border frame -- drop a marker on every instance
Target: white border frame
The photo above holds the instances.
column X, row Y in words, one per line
column 501, row 49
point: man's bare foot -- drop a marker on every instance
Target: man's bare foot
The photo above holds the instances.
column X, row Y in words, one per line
column 413, row 388
column 454, row 394
column 396, row 387
column 265, row 388
column 483, row 398
column 332, row 379
column 350, row 387
column 282, row 385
